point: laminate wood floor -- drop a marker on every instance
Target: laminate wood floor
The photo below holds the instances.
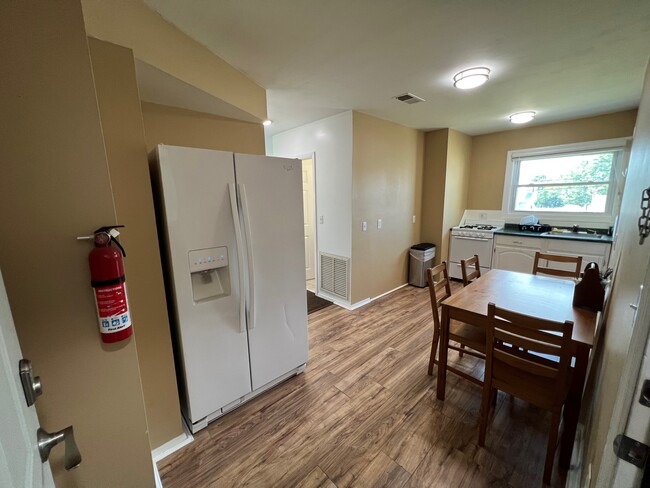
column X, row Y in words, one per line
column 365, row 414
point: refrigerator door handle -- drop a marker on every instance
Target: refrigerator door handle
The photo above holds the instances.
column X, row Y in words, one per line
column 249, row 254
column 240, row 257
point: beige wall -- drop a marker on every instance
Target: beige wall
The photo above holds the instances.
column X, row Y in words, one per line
column 445, row 183
column 130, row 23
column 459, row 151
column 55, row 186
column 387, row 161
column 489, row 151
column 121, row 117
column 179, row 127
column 433, row 187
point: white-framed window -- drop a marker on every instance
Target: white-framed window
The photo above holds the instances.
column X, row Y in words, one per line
column 572, row 183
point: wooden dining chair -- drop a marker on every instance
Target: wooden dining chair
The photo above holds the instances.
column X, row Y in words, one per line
column 472, row 337
column 576, row 260
column 519, row 371
column 470, row 269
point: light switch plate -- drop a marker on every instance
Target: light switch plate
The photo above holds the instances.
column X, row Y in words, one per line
column 364, row 226
column 414, row 219
column 379, row 223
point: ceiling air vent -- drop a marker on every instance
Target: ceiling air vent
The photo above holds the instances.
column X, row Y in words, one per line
column 410, row 98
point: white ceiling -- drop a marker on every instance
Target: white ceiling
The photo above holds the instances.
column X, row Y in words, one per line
column 562, row 58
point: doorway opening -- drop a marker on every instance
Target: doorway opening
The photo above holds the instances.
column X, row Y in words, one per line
column 309, row 211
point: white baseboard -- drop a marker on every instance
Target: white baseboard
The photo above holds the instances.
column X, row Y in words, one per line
column 156, row 476
column 332, row 298
column 361, row 303
column 169, row 447
column 173, row 445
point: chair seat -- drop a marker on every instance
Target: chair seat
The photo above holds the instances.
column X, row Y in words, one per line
column 469, row 335
column 536, row 387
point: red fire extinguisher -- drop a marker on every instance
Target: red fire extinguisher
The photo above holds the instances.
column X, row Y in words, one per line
column 108, row 281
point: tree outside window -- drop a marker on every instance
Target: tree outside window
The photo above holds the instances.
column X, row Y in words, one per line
column 565, row 183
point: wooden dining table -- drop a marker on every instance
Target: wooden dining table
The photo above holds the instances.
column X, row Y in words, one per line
column 535, row 295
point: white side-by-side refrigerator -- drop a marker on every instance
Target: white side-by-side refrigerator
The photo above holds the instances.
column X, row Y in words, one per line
column 233, row 239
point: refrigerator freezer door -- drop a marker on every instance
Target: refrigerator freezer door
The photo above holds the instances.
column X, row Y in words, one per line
column 270, row 191
column 199, row 216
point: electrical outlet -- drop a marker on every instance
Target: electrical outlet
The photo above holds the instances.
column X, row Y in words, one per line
column 482, row 215
column 414, row 219
column 379, row 223
column 364, row 226
column 322, row 219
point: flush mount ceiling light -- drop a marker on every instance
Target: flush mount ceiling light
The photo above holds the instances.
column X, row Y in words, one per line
column 471, row 78
column 522, row 117
column 267, row 122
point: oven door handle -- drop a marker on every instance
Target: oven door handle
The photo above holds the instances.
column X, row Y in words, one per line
column 473, row 238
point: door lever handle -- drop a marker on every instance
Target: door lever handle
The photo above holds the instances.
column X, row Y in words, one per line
column 47, row 441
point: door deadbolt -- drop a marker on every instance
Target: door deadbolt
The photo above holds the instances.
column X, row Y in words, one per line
column 31, row 384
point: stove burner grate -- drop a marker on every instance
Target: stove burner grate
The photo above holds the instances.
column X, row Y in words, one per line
column 478, row 227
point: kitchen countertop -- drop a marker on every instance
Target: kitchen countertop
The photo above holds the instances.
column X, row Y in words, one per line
column 513, row 230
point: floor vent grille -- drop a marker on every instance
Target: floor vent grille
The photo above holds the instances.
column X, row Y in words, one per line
column 334, row 275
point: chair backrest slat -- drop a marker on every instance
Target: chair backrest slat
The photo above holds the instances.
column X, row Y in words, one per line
column 527, row 365
column 435, row 288
column 576, row 260
column 538, row 344
column 528, row 322
column 470, row 268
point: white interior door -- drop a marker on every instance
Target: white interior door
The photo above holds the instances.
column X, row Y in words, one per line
column 633, row 417
column 628, row 314
column 308, row 211
column 20, row 463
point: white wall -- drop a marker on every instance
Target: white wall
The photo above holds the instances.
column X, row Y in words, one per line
column 331, row 140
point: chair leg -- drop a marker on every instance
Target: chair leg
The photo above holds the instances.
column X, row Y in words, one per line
column 485, row 411
column 493, row 397
column 434, row 348
column 460, row 353
column 552, row 446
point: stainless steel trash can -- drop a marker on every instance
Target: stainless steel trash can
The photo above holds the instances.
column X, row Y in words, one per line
column 420, row 258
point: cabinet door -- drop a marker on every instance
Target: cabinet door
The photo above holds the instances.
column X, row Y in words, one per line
column 597, row 252
column 513, row 258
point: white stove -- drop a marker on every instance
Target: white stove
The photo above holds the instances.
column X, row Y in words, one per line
column 472, row 236
column 476, row 230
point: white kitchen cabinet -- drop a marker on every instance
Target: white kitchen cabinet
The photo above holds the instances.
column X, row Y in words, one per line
column 597, row 252
column 517, row 253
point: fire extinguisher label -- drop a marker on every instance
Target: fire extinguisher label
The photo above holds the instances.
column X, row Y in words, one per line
column 112, row 308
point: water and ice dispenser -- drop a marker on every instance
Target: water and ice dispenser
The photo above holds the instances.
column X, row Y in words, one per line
column 210, row 273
